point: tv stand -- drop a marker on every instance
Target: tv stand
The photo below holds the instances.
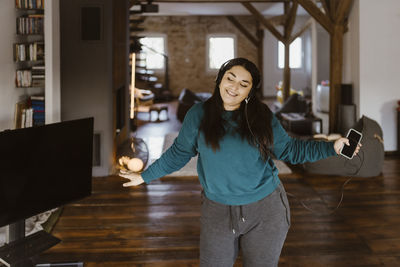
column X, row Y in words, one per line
column 20, row 251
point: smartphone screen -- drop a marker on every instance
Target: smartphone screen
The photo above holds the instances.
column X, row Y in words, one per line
column 354, row 137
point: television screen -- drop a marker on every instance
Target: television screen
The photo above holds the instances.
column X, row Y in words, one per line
column 44, row 167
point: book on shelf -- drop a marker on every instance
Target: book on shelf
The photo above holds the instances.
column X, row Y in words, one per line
column 39, row 83
column 38, row 67
column 19, row 114
column 26, row 118
column 37, row 97
column 29, row 4
column 29, row 51
column 39, row 51
column 30, row 78
column 30, row 112
column 23, row 78
column 22, row 123
column 38, row 70
column 30, row 24
column 38, row 105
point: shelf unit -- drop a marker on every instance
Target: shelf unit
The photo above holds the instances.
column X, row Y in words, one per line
column 29, row 55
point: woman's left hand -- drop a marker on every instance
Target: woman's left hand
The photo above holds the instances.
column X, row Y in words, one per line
column 341, row 142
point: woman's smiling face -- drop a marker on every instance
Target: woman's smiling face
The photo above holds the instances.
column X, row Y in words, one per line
column 235, row 86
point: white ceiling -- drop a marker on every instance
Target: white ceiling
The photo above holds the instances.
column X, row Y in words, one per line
column 214, row 9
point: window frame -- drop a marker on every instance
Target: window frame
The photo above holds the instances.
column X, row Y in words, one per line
column 302, row 55
column 158, row 35
column 218, row 35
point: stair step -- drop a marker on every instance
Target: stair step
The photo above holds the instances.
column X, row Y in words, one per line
column 152, row 79
column 134, row 37
column 136, row 29
column 140, row 65
column 135, row 12
column 136, row 20
column 144, row 76
column 131, row 23
column 145, row 72
column 158, row 85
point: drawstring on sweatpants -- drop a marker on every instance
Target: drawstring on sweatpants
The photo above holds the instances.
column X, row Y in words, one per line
column 231, row 217
column 241, row 215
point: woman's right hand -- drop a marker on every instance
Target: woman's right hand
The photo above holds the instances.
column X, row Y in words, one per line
column 135, row 178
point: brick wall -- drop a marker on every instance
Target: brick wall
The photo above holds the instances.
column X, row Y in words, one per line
column 186, row 47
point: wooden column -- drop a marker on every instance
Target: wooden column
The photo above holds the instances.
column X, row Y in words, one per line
column 119, row 71
column 290, row 13
column 286, row 74
column 260, row 49
column 336, row 63
column 334, row 21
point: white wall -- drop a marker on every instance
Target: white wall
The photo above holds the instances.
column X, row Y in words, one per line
column 300, row 78
column 375, row 74
column 323, row 53
column 52, row 59
column 320, row 69
column 86, row 81
column 351, row 55
column 9, row 95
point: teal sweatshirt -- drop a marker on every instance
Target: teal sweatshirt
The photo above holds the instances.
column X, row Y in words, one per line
column 235, row 174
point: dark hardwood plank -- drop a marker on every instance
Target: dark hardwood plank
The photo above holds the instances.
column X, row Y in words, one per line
column 158, row 224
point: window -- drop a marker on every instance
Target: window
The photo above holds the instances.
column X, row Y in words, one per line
column 296, row 54
column 220, row 49
column 154, row 48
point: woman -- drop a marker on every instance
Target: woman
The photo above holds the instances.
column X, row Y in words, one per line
column 235, row 135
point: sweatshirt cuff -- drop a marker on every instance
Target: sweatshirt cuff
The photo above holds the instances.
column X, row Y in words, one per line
column 147, row 177
column 331, row 150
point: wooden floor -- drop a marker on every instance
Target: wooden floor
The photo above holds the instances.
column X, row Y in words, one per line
column 158, row 224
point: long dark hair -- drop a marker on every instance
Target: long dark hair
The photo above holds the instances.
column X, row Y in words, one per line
column 256, row 127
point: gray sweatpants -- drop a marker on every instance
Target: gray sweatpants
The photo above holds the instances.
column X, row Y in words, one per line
column 259, row 229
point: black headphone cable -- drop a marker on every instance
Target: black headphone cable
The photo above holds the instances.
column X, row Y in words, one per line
column 292, row 195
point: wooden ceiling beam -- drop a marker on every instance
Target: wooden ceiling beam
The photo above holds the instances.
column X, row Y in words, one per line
column 278, row 20
column 325, row 6
column 332, row 8
column 342, row 11
column 305, row 26
column 243, row 30
column 138, row 2
column 263, row 21
column 213, row 1
column 317, row 14
column 291, row 18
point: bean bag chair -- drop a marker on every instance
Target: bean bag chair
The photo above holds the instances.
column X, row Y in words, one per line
column 369, row 161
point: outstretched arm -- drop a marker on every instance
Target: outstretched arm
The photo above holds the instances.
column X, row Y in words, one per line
column 298, row 151
column 181, row 151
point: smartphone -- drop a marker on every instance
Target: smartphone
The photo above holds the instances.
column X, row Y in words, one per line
column 354, row 138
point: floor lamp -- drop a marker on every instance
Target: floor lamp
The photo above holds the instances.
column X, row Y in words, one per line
column 133, row 154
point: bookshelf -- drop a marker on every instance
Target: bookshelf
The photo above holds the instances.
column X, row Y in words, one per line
column 29, row 59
